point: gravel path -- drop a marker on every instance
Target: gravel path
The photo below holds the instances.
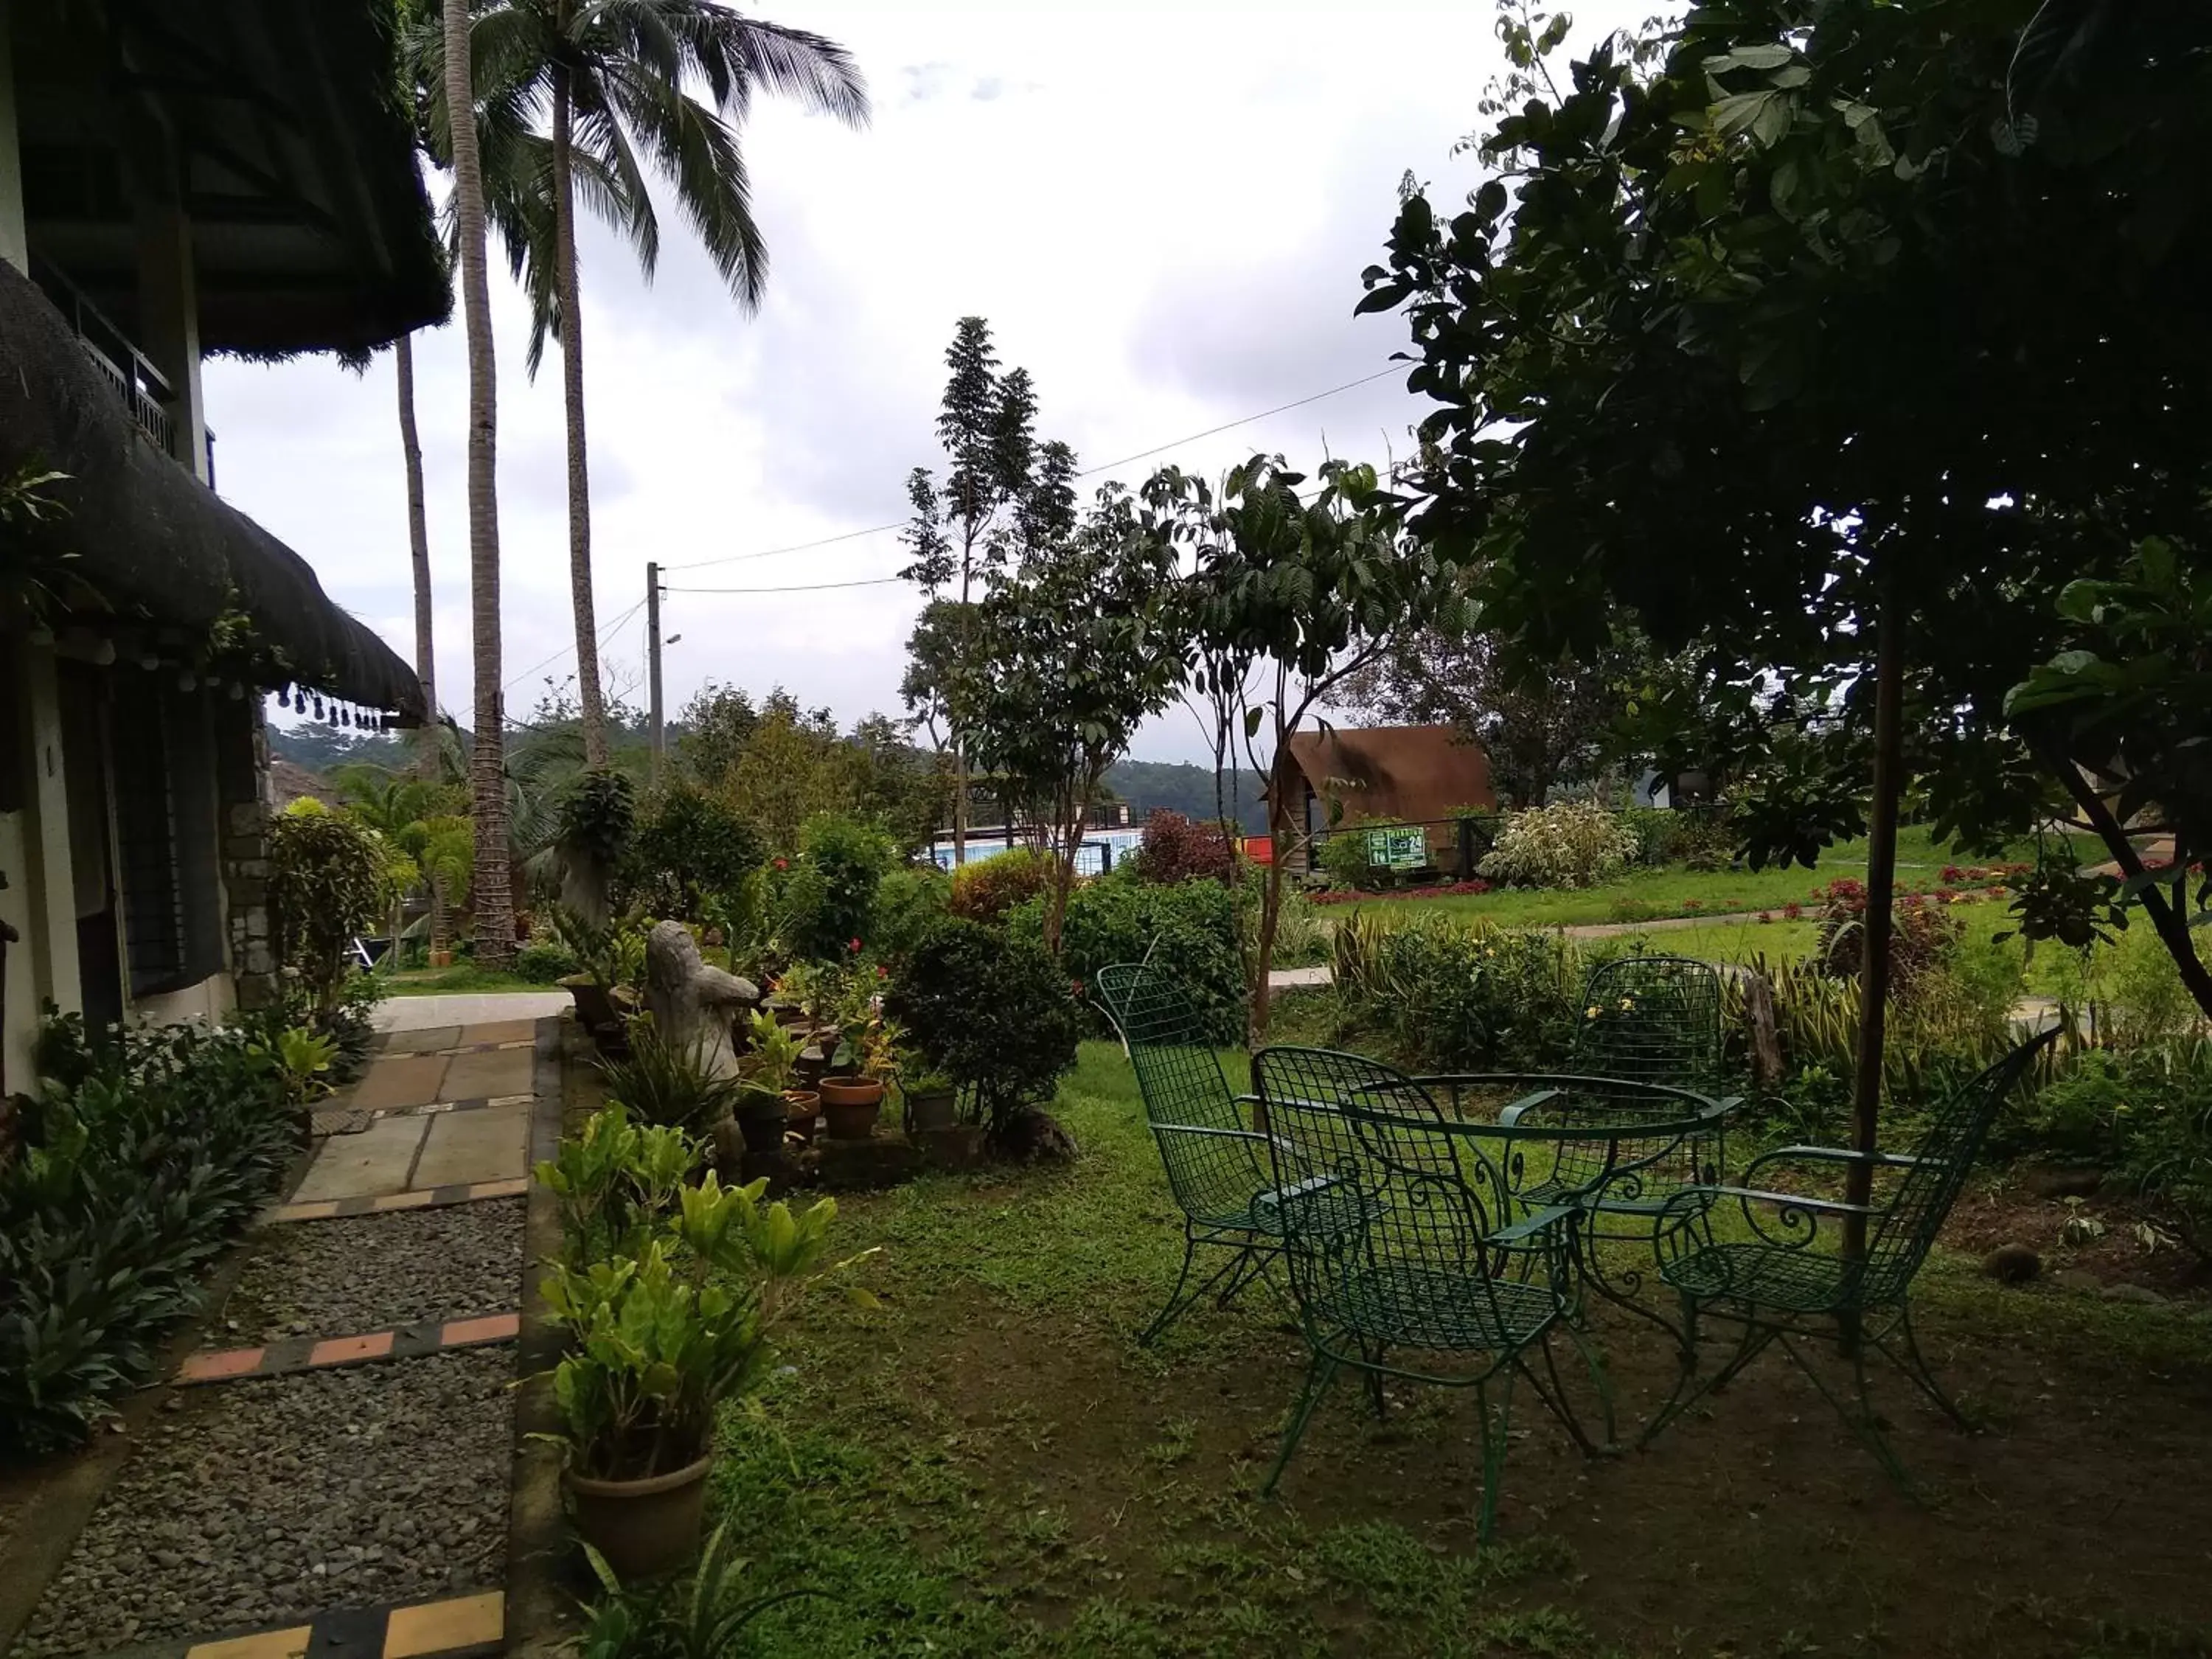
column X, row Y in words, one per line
column 253, row 1504
column 340, row 1278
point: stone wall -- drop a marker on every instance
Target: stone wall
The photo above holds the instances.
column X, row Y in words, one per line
column 242, row 779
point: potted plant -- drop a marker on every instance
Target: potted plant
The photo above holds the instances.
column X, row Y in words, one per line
column 931, row 1101
column 656, row 1342
column 765, row 1101
column 851, row 1103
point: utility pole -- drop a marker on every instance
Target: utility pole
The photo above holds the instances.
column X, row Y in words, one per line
column 652, row 661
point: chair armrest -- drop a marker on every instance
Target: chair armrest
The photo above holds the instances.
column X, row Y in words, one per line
column 1509, row 1115
column 1687, row 1199
column 1537, row 1222
column 1840, row 1154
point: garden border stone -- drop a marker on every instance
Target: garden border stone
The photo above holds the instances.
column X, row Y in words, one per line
column 539, row 1595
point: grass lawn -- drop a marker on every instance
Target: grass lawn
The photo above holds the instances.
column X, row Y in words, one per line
column 989, row 1465
column 1646, row 894
column 460, row 977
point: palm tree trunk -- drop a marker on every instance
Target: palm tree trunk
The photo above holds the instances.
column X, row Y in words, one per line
column 418, row 546
column 572, row 390
column 495, row 918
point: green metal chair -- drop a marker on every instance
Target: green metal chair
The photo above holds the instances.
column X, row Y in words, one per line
column 1648, row 1020
column 1780, row 1286
column 1216, row 1160
column 1402, row 1236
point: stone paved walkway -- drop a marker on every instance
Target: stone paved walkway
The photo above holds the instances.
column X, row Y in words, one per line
column 342, row 1491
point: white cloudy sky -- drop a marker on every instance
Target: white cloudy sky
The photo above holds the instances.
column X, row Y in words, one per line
column 1163, row 212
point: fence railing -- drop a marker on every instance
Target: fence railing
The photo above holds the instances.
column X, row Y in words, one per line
column 145, row 391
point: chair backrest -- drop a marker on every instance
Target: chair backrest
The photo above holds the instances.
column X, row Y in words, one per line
column 1943, row 1157
column 1180, row 1076
column 1651, row 1020
column 1363, row 1183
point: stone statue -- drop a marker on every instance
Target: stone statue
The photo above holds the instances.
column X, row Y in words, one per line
column 694, row 1009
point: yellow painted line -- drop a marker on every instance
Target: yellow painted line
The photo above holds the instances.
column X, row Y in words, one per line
column 270, row 1645
column 441, row 1626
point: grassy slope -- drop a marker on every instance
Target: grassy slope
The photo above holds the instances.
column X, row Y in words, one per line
column 987, row 1465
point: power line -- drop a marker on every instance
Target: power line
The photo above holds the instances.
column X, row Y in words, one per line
column 605, row 634
column 800, row 587
column 1087, row 472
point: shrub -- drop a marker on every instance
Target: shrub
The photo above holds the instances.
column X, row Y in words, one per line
column 1188, row 930
column 909, row 904
column 666, row 1085
column 1344, row 856
column 326, row 884
column 1923, row 937
column 829, row 897
column 2145, row 1115
column 985, row 889
column 994, row 1013
column 689, row 849
column 1463, row 995
column 1567, row 844
column 596, row 821
column 1177, row 849
column 137, row 1160
column 543, row 961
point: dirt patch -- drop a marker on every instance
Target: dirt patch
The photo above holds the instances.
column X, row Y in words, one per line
column 2139, row 1244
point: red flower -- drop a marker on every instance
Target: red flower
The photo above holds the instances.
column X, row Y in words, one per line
column 879, row 971
column 783, row 863
column 1075, row 987
column 855, row 947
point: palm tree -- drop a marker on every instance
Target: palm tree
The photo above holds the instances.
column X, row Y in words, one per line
column 613, row 75
column 418, row 547
column 494, row 902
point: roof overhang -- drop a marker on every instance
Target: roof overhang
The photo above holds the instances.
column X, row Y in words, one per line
column 311, row 230
column 139, row 541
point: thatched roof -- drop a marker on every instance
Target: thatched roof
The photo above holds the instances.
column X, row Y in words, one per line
column 310, row 228
column 150, row 539
column 1410, row 773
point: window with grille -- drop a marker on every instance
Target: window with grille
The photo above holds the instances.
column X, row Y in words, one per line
column 165, row 835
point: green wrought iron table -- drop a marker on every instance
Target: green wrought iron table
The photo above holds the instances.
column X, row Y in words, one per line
column 1606, row 1154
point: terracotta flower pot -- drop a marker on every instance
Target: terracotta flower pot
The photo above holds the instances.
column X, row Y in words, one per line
column 442, row 958
column 646, row 1528
column 804, row 1106
column 852, row 1105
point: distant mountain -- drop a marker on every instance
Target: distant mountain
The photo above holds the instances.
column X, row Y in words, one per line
column 1186, row 789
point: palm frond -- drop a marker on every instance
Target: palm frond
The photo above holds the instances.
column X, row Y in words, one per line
column 699, row 152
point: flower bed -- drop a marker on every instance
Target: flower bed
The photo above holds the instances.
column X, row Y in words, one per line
column 1444, row 889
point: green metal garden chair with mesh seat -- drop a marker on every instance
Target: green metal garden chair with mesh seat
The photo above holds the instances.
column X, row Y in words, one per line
column 1778, row 1274
column 1408, row 1253
column 1216, row 1159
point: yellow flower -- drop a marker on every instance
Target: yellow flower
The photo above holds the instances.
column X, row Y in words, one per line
column 1591, row 1012
column 1626, row 1003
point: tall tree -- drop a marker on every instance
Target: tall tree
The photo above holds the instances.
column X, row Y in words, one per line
column 1797, row 347
column 616, row 77
column 1003, row 491
column 495, row 897
column 418, row 548
column 1076, row 645
column 1307, row 592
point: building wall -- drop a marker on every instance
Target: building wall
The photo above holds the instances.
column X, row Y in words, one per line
column 34, row 852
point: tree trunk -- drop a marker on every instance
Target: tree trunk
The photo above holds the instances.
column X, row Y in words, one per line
column 441, row 925
column 418, row 547
column 1271, row 900
column 2169, row 921
column 495, row 907
column 1875, row 925
column 588, row 693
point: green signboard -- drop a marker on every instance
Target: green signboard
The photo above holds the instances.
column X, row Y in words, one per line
column 1398, row 848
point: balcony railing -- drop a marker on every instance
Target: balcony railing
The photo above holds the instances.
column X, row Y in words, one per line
column 145, row 391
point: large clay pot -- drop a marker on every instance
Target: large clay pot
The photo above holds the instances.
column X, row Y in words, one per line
column 851, row 1106
column 931, row 1110
column 645, row 1528
column 804, row 1108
